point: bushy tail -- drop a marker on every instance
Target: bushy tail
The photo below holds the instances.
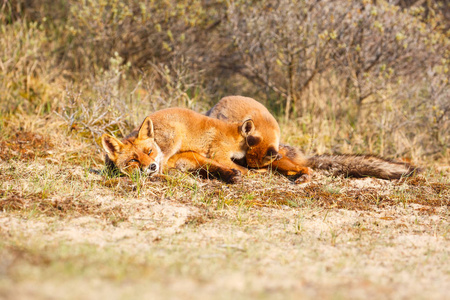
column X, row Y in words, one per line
column 361, row 166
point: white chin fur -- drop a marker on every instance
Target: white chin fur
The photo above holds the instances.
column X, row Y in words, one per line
column 239, row 155
column 158, row 161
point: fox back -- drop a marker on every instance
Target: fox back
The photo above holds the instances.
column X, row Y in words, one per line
column 180, row 130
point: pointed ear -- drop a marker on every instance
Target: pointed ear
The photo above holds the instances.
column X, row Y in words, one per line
column 111, row 145
column 146, row 130
column 247, row 128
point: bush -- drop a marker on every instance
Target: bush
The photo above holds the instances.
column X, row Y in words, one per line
column 348, row 76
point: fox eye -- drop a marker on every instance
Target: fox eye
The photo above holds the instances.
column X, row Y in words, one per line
column 150, row 151
column 133, row 160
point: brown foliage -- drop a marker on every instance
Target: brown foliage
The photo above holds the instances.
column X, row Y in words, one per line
column 25, row 146
column 370, row 75
column 64, row 208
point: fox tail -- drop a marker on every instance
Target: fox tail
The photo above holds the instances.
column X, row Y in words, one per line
column 358, row 166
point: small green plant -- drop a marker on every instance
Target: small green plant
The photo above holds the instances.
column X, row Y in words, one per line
column 334, row 234
column 298, row 226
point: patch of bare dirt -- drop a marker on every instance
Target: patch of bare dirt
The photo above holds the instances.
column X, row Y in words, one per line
column 67, row 207
column 18, row 253
column 342, row 193
column 25, row 145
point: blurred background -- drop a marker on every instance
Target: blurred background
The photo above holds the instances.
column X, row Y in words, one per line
column 340, row 76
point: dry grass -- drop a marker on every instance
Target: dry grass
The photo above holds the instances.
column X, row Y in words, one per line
column 67, row 76
column 65, row 228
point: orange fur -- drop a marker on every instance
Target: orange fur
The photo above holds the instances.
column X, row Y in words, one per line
column 237, row 108
column 290, row 161
column 190, row 141
column 268, row 153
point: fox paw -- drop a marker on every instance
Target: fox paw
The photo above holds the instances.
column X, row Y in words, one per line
column 302, row 179
column 258, row 171
column 235, row 176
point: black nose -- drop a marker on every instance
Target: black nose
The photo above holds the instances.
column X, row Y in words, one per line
column 153, row 167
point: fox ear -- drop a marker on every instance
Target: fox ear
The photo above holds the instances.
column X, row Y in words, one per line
column 111, row 145
column 247, row 128
column 146, row 130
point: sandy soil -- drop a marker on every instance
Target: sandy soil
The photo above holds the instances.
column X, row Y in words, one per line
column 67, row 233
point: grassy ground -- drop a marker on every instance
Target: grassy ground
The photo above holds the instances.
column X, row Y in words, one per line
column 68, row 233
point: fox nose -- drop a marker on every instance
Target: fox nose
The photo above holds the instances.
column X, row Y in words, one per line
column 152, row 168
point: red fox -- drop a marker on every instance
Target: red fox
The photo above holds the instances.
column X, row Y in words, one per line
column 237, row 108
column 290, row 161
column 183, row 139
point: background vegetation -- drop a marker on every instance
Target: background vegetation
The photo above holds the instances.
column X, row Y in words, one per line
column 345, row 76
column 341, row 76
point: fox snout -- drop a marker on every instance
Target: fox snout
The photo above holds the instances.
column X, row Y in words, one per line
column 152, row 168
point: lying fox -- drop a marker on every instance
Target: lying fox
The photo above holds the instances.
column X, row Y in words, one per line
column 186, row 140
column 291, row 161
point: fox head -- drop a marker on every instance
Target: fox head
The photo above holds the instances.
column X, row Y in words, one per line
column 262, row 146
column 135, row 153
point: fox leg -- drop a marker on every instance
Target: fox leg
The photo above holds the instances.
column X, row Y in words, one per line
column 289, row 168
column 231, row 165
column 292, row 164
column 224, row 160
column 192, row 161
